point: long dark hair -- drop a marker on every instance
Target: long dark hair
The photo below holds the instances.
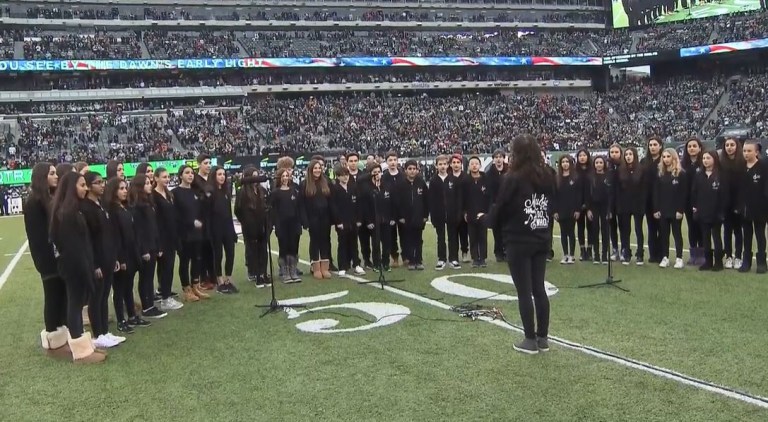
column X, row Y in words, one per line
column 255, row 197
column 38, row 188
column 687, row 162
column 572, row 170
column 732, row 164
column 715, row 161
column 112, row 166
column 527, row 162
column 158, row 173
column 313, row 186
column 136, row 194
column 110, row 194
column 625, row 168
column 215, row 185
column 65, row 201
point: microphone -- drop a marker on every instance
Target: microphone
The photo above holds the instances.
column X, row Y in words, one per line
column 254, row 179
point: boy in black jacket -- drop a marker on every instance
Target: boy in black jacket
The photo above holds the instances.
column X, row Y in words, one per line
column 391, row 177
column 494, row 176
column 346, row 218
column 477, row 203
column 438, row 208
column 457, row 226
column 412, row 210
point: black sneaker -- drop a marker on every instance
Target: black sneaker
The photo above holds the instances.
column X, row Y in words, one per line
column 527, row 346
column 138, row 322
column 260, row 282
column 124, row 327
column 174, row 294
column 233, row 288
column 542, row 343
column 483, row 264
column 223, row 288
column 154, row 313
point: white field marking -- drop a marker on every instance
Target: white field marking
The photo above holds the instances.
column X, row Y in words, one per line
column 13, row 254
column 627, row 362
column 12, row 264
column 313, row 299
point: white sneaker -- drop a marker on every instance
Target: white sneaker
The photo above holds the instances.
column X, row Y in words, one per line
column 737, row 263
column 465, row 257
column 571, row 260
column 679, row 264
column 118, row 339
column 455, row 265
column 342, row 273
column 564, row 260
column 728, row 263
column 440, row 265
column 664, row 262
column 170, row 304
column 359, row 270
column 104, row 342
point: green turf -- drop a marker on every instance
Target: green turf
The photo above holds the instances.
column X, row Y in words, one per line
column 705, row 10
column 219, row 361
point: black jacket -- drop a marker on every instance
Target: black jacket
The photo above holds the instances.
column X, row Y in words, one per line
column 189, row 207
column 710, row 198
column 315, row 210
column 376, row 204
column 601, row 190
column 476, row 197
column 630, row 191
column 36, row 222
column 103, row 238
column 145, row 226
column 438, row 197
column 494, row 179
column 669, row 195
column 753, row 194
column 411, row 202
column 128, row 248
column 651, row 169
column 523, row 212
column 167, row 218
column 221, row 224
column 254, row 218
column 344, row 206
column 73, row 250
column 569, row 197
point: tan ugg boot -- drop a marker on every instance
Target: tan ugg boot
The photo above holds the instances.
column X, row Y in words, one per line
column 83, row 351
column 199, row 292
column 316, row 270
column 325, row 268
column 55, row 343
column 189, row 295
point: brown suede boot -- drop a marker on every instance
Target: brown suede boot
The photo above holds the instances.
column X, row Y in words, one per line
column 325, row 266
column 198, row 292
column 55, row 343
column 189, row 295
column 317, row 270
column 83, row 351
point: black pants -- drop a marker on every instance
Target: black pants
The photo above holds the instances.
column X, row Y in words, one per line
column 288, row 237
column 207, row 268
column 478, row 240
column 146, row 282
column 365, row 243
column 568, row 235
column 613, row 224
column 224, row 249
column 98, row 304
column 527, row 266
column 190, row 262
column 122, row 294
column 442, row 253
column 498, row 242
column 256, row 256
column 165, row 266
column 393, row 241
column 413, row 243
column 382, row 245
column 55, row 307
column 464, row 236
column 756, row 228
column 711, row 234
column 79, row 290
column 655, row 251
column 625, row 223
column 600, row 228
column 733, row 233
column 454, row 233
column 675, row 226
column 320, row 241
column 694, row 231
column 346, row 249
column 584, row 232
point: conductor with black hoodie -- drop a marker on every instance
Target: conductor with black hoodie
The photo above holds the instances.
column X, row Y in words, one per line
column 411, row 196
column 523, row 210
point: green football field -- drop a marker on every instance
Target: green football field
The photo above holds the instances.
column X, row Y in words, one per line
column 360, row 353
column 700, row 10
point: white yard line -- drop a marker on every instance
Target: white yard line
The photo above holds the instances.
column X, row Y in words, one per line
column 11, row 265
column 611, row 357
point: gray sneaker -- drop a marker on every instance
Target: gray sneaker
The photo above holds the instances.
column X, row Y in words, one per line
column 543, row 344
column 527, row 346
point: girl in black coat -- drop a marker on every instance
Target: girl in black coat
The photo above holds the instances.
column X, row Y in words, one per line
column 615, row 158
column 378, row 216
column 145, row 226
column 36, row 219
column 168, row 239
column 74, row 261
column 732, row 169
column 346, row 218
column 252, row 211
column 116, row 201
column 189, row 225
column 221, row 227
column 753, row 205
column 476, row 204
column 630, row 204
column 566, row 206
column 709, row 198
column 692, row 165
column 314, row 194
column 669, row 196
column 650, row 165
column 583, row 170
column 599, row 202
column 105, row 243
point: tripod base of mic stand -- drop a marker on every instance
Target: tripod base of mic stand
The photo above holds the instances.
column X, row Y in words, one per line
column 382, row 280
column 609, row 281
column 275, row 306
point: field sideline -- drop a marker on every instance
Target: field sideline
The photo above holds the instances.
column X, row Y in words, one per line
column 218, row 360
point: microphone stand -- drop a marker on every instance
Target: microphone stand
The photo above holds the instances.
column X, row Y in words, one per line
column 377, row 238
column 609, row 280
